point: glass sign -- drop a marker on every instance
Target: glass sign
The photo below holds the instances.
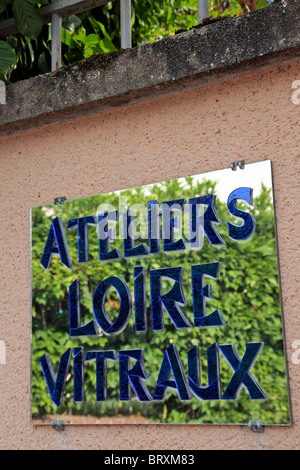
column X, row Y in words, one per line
column 160, row 304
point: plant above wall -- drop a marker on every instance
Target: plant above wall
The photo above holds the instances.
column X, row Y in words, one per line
column 28, row 53
column 28, row 22
column 8, row 58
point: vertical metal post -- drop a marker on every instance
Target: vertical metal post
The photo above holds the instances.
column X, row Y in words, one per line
column 55, row 42
column 202, row 10
column 125, row 11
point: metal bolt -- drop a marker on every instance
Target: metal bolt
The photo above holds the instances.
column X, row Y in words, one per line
column 59, row 200
column 59, row 425
column 257, row 426
column 238, row 163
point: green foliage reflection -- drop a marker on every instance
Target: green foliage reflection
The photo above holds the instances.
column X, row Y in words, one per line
column 247, row 293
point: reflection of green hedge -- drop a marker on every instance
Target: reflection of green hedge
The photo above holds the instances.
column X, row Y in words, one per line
column 247, row 293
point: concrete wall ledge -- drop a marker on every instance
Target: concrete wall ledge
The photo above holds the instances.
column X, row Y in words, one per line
column 229, row 45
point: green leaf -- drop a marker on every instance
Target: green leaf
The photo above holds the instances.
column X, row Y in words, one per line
column 3, row 5
column 71, row 23
column 106, row 43
column 27, row 18
column 66, row 37
column 8, row 57
column 92, row 45
column 91, row 40
column 43, row 63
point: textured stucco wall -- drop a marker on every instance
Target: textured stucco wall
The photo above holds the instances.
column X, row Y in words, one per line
column 250, row 117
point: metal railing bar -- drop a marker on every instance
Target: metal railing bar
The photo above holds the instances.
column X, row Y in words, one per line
column 56, row 21
column 64, row 8
column 59, row 9
column 203, row 11
column 125, row 13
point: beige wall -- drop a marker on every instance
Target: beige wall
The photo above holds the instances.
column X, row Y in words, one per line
column 250, row 117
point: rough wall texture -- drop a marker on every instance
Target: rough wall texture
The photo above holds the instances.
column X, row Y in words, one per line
column 251, row 117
